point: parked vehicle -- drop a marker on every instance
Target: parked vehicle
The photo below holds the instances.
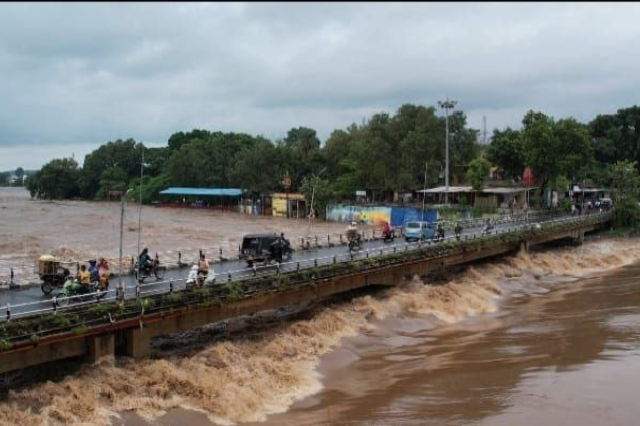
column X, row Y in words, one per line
column 388, row 237
column 155, row 269
column 417, row 230
column 52, row 273
column 257, row 248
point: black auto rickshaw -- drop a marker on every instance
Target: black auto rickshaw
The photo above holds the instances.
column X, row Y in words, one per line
column 258, row 248
column 52, row 273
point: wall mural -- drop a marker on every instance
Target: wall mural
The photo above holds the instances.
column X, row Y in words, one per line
column 377, row 215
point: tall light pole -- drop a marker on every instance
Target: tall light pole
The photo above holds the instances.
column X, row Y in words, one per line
column 313, row 193
column 142, row 166
column 447, row 105
column 120, row 290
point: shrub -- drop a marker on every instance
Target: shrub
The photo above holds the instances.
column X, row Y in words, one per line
column 625, row 214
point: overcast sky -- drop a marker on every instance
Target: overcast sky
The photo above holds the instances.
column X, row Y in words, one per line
column 73, row 76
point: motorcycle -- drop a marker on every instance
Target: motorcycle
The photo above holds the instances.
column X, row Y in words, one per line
column 439, row 236
column 196, row 276
column 154, row 269
column 86, row 293
column 355, row 241
column 487, row 230
column 458, row 231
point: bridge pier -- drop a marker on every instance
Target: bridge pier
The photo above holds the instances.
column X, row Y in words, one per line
column 525, row 246
column 138, row 343
column 99, row 346
column 578, row 237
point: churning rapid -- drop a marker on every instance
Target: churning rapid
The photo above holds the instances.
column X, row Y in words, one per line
column 410, row 354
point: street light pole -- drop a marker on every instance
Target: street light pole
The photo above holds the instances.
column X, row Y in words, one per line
column 447, row 105
column 140, row 207
column 120, row 290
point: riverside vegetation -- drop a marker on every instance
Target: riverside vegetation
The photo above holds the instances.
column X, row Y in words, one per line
column 384, row 154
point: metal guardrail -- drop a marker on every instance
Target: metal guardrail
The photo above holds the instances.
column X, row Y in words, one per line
column 169, row 286
column 220, row 253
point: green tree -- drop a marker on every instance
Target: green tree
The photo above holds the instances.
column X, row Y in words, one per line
column 478, row 172
column 58, row 179
column 302, row 139
column 124, row 154
column 507, row 151
column 256, row 168
column 541, row 147
column 575, row 149
column 625, row 180
column 112, row 179
column 180, row 139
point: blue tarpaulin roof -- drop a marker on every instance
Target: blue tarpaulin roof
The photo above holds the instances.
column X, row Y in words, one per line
column 228, row 192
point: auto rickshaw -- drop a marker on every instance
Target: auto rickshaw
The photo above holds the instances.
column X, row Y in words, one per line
column 257, row 248
column 52, row 273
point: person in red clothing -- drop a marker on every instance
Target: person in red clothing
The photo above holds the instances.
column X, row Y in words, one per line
column 386, row 229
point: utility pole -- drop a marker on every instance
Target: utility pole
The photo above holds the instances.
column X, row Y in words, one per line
column 140, row 207
column 120, row 290
column 447, row 105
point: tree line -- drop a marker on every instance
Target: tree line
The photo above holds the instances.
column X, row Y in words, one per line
column 385, row 153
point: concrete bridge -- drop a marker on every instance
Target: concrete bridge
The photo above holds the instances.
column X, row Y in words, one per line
column 126, row 327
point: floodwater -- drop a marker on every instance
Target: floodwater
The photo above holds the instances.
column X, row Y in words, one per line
column 80, row 230
column 549, row 337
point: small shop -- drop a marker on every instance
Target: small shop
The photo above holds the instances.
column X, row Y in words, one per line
column 291, row 205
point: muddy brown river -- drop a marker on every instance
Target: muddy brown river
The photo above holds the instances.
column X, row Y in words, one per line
column 550, row 337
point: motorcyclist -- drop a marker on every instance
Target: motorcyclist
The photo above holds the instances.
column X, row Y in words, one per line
column 93, row 271
column 203, row 268
column 286, row 245
column 488, row 226
column 144, row 261
column 440, row 231
column 458, row 230
column 352, row 231
column 386, row 230
column 353, row 235
column 84, row 279
column 276, row 248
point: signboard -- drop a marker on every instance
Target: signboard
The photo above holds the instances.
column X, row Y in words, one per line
column 361, row 193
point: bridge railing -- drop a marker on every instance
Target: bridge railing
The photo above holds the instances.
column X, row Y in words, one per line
column 142, row 290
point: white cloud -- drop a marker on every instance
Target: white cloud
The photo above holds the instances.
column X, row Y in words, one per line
column 87, row 73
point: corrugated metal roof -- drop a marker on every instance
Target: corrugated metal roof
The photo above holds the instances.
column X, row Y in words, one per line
column 443, row 189
column 229, row 192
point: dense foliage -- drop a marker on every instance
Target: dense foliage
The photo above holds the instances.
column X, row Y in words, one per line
column 384, row 154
